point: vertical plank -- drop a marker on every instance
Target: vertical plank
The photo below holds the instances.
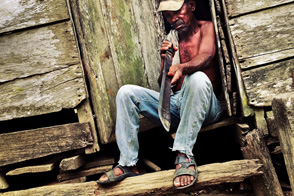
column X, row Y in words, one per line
column 246, row 110
column 268, row 183
column 119, row 42
column 150, row 36
column 98, row 63
column 3, row 182
column 284, row 117
column 220, row 58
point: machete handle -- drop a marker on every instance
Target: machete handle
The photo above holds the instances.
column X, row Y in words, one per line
column 171, row 49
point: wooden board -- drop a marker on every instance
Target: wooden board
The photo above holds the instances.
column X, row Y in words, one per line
column 284, row 117
column 246, row 110
column 240, row 7
column 42, row 94
column 157, row 182
column 264, row 33
column 19, row 14
column 98, row 60
column 221, row 60
column 83, row 172
column 25, row 145
column 47, row 165
column 119, row 44
column 268, row 82
column 37, row 51
column 255, row 148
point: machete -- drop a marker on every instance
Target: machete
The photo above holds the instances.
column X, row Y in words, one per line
column 165, row 91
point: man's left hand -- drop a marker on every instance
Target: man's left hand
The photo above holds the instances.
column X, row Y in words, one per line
column 176, row 72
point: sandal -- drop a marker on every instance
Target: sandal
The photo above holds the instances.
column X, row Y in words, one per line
column 128, row 172
column 184, row 170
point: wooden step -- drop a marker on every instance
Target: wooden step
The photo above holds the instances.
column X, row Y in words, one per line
column 157, row 182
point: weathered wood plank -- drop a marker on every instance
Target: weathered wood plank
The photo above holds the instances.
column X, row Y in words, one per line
column 42, row 94
column 19, row 14
column 85, row 114
column 240, row 7
column 118, row 48
column 245, row 108
column 45, row 166
column 284, row 117
column 260, row 121
column 37, row 51
column 150, row 35
column 266, row 32
column 263, row 84
column 159, row 182
column 86, row 172
column 221, row 60
column 268, row 183
column 72, row 163
column 3, row 182
column 98, row 62
column 267, row 58
column 25, row 145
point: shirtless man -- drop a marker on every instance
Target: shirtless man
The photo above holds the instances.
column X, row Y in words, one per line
column 195, row 76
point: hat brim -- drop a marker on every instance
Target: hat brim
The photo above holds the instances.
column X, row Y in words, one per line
column 170, row 6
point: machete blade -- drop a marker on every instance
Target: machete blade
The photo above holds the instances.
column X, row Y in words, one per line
column 165, row 91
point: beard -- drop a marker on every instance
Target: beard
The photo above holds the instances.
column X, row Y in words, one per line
column 181, row 27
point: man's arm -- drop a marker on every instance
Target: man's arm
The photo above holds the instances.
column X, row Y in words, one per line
column 202, row 60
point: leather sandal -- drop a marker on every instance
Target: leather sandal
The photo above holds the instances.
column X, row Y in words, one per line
column 184, row 170
column 128, row 172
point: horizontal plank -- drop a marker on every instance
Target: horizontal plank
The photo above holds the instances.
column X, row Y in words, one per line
column 159, row 182
column 83, row 172
column 42, row 94
column 266, row 58
column 19, row 14
column 265, row 83
column 31, row 144
column 265, row 32
column 37, row 51
column 48, row 165
column 240, row 7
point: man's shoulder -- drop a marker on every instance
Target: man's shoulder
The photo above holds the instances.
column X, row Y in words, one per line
column 205, row 23
column 206, row 26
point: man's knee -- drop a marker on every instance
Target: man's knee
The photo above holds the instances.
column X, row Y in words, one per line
column 124, row 92
column 198, row 80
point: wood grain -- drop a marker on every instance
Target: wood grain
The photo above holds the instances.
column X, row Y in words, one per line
column 20, row 14
column 32, row 144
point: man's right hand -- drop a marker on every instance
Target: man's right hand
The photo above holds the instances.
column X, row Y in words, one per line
column 164, row 47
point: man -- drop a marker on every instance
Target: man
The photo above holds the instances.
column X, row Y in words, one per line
column 195, row 79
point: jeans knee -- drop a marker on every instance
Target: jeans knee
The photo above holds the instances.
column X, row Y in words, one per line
column 124, row 92
column 198, row 81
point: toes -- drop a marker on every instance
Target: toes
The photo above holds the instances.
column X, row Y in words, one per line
column 177, row 182
column 103, row 178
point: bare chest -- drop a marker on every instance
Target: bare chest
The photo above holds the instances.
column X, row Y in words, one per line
column 189, row 49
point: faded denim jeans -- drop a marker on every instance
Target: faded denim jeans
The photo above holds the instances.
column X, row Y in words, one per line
column 191, row 107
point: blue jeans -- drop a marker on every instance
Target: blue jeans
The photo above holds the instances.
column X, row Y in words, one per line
column 191, row 107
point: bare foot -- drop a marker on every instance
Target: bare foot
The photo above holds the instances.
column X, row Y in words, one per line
column 183, row 180
column 117, row 172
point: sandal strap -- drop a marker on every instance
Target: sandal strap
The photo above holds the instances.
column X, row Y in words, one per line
column 185, row 171
column 182, row 160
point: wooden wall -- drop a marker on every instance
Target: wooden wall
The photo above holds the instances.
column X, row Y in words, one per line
column 263, row 36
column 41, row 73
column 119, row 42
column 40, row 67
